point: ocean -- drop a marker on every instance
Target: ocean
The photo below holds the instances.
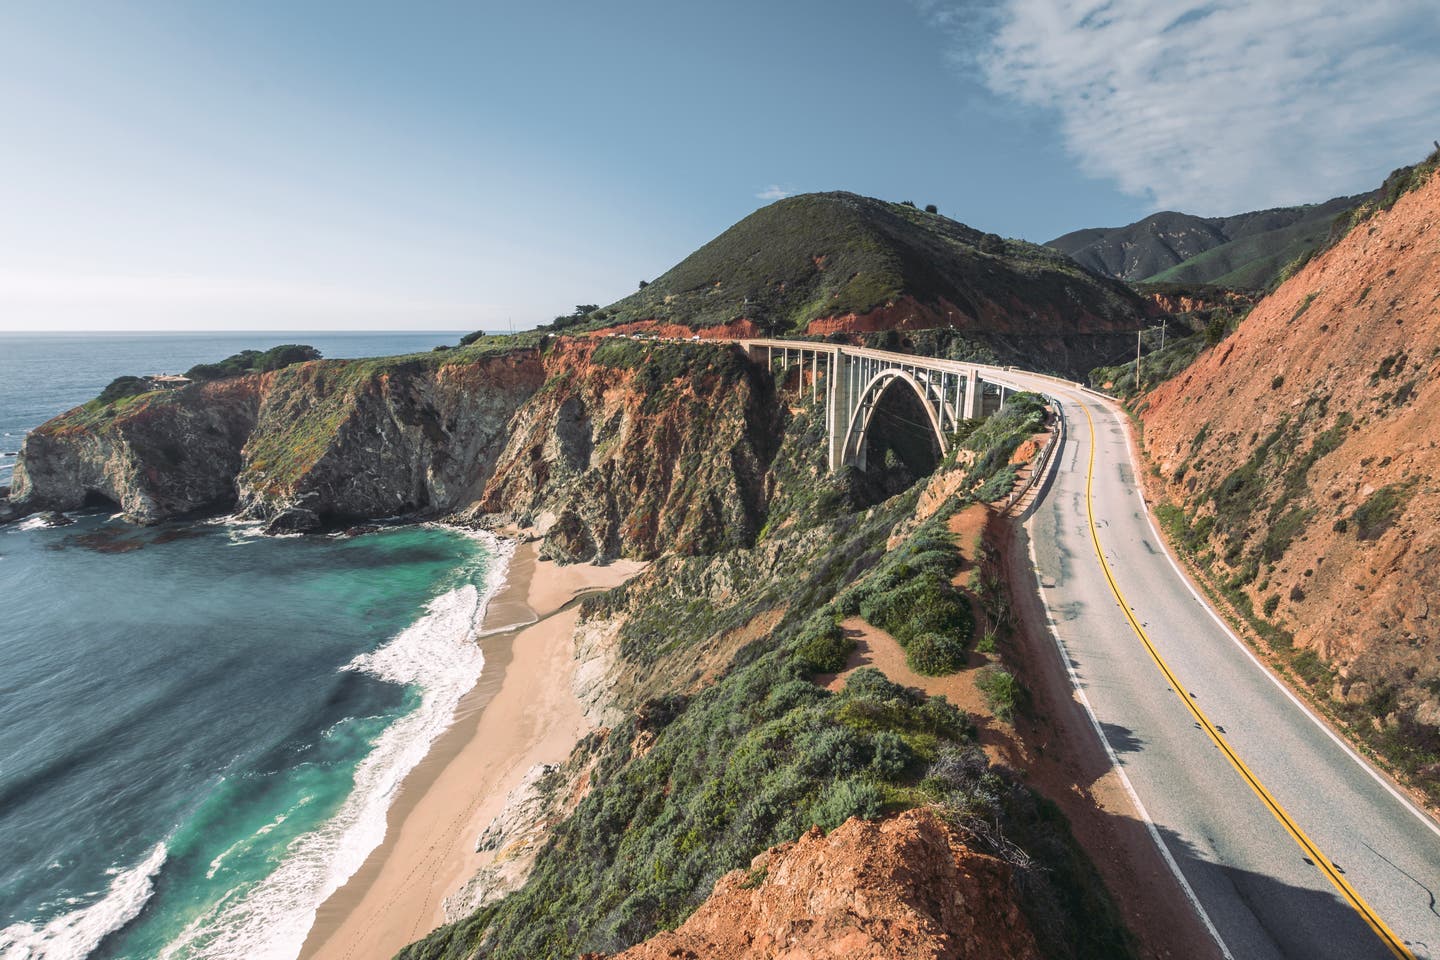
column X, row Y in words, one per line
column 201, row 728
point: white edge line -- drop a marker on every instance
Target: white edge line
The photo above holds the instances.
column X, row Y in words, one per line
column 1150, row 827
column 1284, row 688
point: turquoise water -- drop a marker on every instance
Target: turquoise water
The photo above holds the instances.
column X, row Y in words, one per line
column 201, row 728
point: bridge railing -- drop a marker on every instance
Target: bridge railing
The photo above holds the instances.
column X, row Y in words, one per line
column 1042, row 462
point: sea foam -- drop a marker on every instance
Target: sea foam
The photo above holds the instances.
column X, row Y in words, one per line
column 438, row 654
column 73, row 935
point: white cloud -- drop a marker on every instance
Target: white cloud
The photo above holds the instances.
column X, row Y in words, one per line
column 1218, row 107
column 774, row 192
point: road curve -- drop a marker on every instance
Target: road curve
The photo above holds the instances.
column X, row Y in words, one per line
column 1287, row 842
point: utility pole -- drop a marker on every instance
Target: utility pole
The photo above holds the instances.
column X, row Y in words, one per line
column 1137, row 361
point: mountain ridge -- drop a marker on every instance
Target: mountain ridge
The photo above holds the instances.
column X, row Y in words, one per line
column 1242, row 251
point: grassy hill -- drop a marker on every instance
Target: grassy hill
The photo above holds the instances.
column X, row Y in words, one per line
column 1242, row 252
column 825, row 255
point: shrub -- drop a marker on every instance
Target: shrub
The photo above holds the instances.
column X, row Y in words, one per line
column 1215, row 329
column 1002, row 691
column 257, row 361
column 122, row 387
column 931, row 208
column 891, row 755
column 823, row 647
column 1310, row 667
column 935, row 654
column 1304, row 305
column 846, row 799
column 870, row 684
column 835, row 751
column 1375, row 516
column 1271, row 604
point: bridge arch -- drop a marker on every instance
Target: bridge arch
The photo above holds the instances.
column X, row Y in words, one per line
column 858, row 431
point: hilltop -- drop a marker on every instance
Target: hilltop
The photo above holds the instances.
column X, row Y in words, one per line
column 1246, row 251
column 840, row 263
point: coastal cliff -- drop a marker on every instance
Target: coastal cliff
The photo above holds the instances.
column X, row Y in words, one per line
column 605, row 453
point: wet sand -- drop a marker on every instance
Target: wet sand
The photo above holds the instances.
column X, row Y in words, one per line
column 522, row 712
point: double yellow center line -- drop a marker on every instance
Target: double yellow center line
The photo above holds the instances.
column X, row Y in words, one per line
column 1312, row 852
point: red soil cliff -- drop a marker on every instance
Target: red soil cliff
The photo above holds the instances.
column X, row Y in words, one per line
column 1308, row 440
column 900, row 888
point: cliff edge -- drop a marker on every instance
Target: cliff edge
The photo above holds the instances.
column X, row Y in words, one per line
column 872, row 890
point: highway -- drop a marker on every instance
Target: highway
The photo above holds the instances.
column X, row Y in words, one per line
column 1289, row 845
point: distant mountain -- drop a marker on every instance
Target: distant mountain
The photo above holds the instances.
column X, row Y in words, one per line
column 823, row 262
column 1243, row 252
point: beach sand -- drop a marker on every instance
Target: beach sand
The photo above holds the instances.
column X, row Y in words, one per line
column 522, row 712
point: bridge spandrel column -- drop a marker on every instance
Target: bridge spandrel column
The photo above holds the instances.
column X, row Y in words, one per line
column 972, row 394
column 839, row 398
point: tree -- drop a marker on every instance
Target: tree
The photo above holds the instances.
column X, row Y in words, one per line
column 254, row 361
column 644, row 284
column 124, row 387
column 931, row 208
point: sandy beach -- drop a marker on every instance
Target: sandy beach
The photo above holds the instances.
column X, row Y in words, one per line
column 522, row 712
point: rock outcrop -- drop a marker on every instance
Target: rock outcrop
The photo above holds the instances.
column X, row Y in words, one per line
column 601, row 456
column 907, row 888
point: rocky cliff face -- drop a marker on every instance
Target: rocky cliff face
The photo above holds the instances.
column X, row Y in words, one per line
column 906, row 887
column 606, row 460
column 606, row 457
column 1303, row 451
column 157, row 456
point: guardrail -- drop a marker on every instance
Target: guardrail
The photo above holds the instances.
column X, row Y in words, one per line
column 1042, row 465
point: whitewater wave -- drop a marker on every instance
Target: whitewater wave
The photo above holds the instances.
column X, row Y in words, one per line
column 73, row 935
column 438, row 654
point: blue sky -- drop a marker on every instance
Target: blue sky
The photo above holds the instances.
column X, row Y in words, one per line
column 349, row 165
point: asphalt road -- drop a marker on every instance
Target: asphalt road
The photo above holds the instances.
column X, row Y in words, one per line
column 1269, row 890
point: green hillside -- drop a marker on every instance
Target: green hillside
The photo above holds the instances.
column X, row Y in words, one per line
column 1252, row 262
column 1246, row 251
column 830, row 254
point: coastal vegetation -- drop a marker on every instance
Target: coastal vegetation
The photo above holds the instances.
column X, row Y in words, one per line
column 699, row 779
column 254, row 361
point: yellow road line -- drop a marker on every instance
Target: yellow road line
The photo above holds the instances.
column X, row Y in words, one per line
column 1312, row 852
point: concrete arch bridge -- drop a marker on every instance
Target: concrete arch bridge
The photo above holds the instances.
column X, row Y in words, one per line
column 862, row 387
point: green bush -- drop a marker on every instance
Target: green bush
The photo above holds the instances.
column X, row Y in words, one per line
column 935, row 654
column 823, row 647
column 998, row 487
column 891, row 756
column 833, row 751
column 846, row 799
column 255, row 361
column 1002, row 691
column 122, row 387
column 1377, row 514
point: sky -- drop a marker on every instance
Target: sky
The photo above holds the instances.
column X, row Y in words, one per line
column 460, row 166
